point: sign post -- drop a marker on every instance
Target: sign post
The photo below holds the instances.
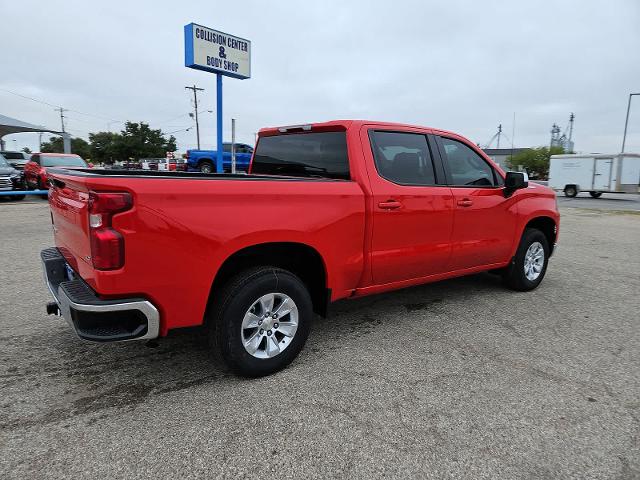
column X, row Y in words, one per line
column 219, row 167
column 220, row 53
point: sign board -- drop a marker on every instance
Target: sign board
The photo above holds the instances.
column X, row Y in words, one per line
column 217, row 52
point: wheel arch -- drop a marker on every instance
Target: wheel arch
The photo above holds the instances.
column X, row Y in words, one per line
column 299, row 258
column 547, row 225
column 205, row 159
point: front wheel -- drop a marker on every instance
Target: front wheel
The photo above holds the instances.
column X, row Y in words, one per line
column 595, row 194
column 529, row 265
column 260, row 321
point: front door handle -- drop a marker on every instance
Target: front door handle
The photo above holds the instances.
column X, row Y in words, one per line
column 465, row 202
column 390, row 205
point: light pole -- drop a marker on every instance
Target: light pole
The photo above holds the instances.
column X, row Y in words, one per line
column 626, row 122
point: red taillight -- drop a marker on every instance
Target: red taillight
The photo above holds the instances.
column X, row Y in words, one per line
column 107, row 244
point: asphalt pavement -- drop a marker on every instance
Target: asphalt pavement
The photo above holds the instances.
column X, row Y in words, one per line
column 458, row 379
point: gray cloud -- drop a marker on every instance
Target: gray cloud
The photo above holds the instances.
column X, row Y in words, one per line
column 459, row 65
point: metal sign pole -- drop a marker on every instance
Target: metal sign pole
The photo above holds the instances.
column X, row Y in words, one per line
column 233, row 145
column 219, row 167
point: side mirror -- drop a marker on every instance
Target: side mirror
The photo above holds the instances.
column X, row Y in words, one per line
column 515, row 181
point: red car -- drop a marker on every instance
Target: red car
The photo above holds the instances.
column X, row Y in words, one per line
column 35, row 170
column 328, row 211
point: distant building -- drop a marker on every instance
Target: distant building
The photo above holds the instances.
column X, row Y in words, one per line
column 500, row 155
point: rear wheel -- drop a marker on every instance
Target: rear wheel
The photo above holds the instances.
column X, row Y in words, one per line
column 595, row 194
column 529, row 265
column 206, row 167
column 570, row 191
column 17, row 197
column 260, row 321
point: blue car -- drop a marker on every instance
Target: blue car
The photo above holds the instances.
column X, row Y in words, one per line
column 205, row 160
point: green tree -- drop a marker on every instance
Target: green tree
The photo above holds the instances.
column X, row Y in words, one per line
column 140, row 141
column 106, row 147
column 26, row 150
column 535, row 160
column 78, row 146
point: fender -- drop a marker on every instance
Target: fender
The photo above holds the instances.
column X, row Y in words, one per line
column 536, row 201
column 341, row 275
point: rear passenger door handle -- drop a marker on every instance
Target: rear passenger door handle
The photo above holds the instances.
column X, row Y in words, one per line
column 465, row 202
column 390, row 205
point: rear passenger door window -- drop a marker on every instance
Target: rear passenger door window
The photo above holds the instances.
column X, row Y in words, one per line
column 466, row 168
column 403, row 158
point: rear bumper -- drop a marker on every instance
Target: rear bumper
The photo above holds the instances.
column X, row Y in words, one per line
column 92, row 318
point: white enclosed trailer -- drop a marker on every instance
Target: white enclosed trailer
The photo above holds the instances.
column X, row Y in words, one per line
column 595, row 173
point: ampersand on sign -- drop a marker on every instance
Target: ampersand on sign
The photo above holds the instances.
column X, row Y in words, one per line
column 222, row 53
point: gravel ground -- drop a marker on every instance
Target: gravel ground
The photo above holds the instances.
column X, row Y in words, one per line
column 456, row 379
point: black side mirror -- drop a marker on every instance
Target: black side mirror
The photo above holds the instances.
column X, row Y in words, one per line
column 515, row 181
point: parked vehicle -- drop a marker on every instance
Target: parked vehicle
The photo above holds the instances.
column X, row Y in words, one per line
column 10, row 180
column 35, row 170
column 328, row 211
column 16, row 159
column 205, row 160
column 595, row 173
column 129, row 165
column 164, row 164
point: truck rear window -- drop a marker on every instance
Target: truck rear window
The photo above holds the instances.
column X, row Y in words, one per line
column 322, row 154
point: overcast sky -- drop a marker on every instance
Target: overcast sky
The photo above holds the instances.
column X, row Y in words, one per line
column 464, row 66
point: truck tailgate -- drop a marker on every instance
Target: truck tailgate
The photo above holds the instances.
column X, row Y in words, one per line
column 68, row 200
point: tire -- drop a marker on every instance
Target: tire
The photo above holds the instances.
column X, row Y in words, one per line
column 595, row 194
column 205, row 167
column 515, row 275
column 18, row 197
column 570, row 191
column 233, row 305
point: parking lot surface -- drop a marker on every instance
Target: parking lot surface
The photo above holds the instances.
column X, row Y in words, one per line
column 456, row 379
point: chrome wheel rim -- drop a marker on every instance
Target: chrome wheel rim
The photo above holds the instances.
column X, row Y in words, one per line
column 533, row 261
column 269, row 325
column 206, row 168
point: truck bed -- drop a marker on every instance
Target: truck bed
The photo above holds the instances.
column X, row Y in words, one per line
column 183, row 225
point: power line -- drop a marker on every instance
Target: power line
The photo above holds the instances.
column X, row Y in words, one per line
column 57, row 107
column 28, row 98
column 63, row 116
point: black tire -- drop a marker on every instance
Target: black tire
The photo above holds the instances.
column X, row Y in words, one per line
column 18, row 197
column 224, row 319
column 206, row 166
column 514, row 275
column 595, row 194
column 570, row 191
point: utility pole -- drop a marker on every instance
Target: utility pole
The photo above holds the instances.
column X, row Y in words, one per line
column 626, row 122
column 61, row 110
column 195, row 105
column 570, row 143
column 66, row 138
column 499, row 133
column 233, row 145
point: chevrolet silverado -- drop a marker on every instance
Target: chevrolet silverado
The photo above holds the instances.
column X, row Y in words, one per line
column 328, row 211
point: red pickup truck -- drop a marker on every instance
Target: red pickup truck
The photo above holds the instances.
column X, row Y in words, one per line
column 328, row 211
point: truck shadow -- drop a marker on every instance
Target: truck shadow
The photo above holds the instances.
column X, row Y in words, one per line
column 98, row 380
